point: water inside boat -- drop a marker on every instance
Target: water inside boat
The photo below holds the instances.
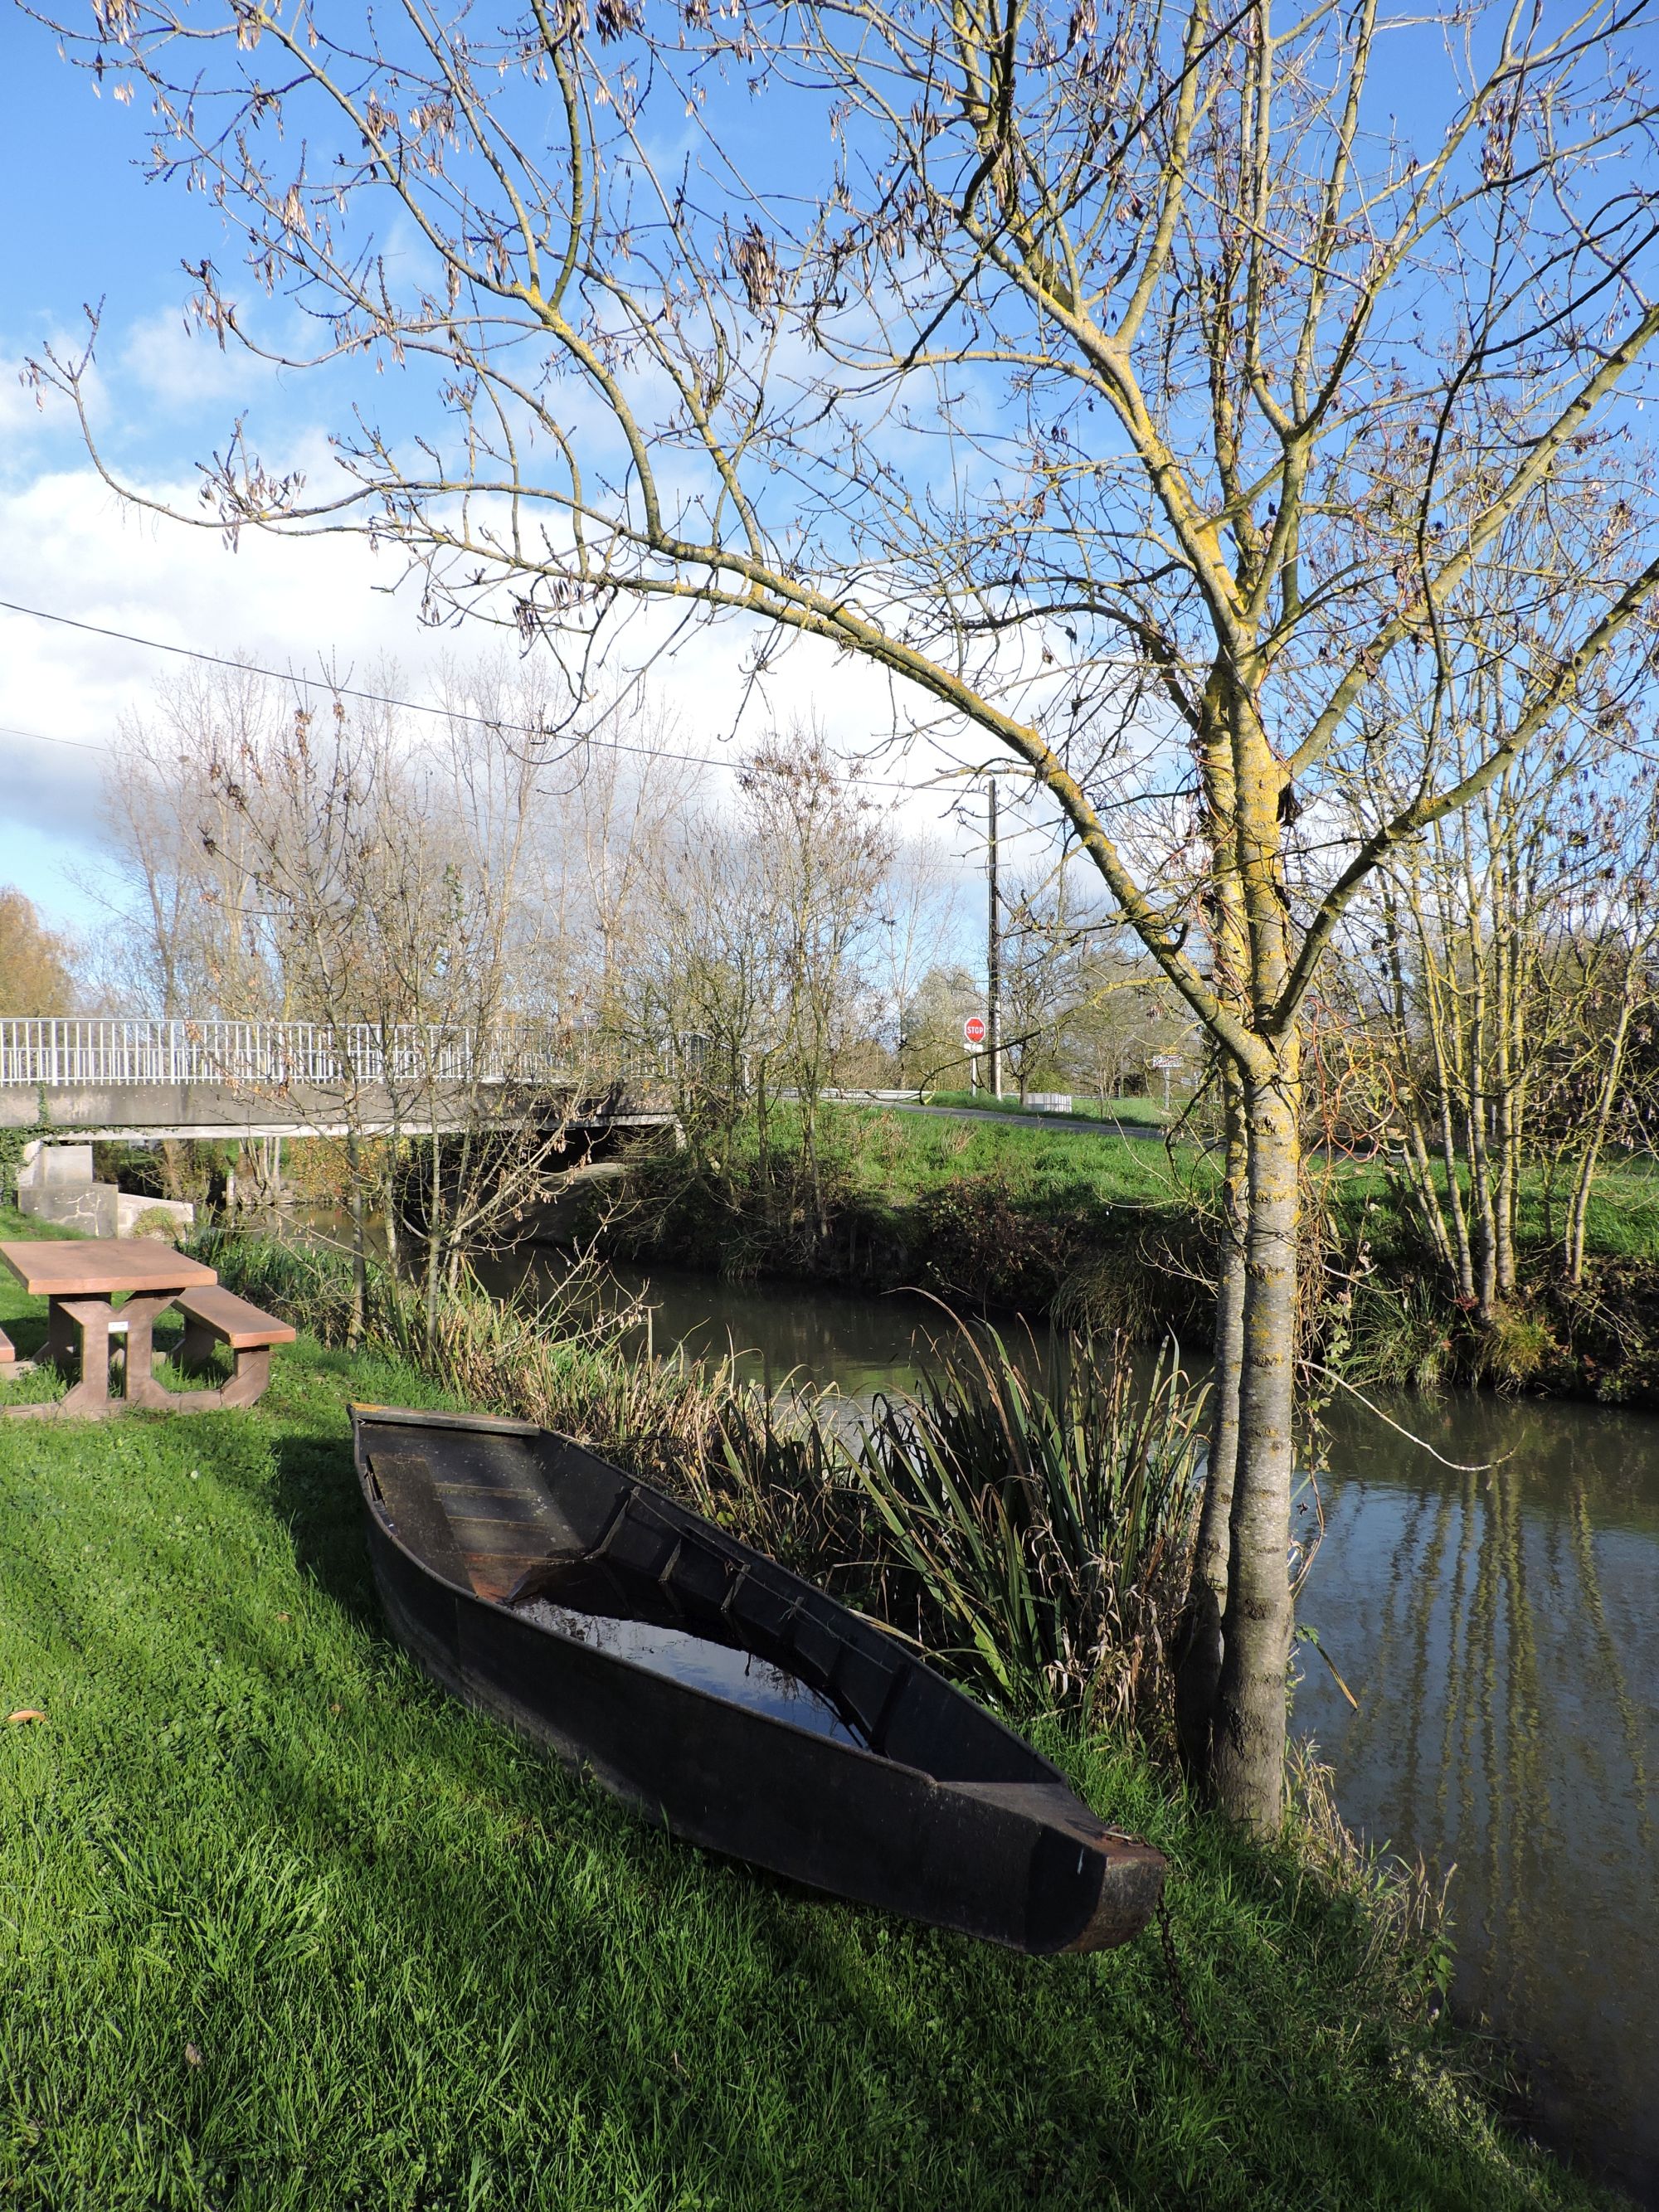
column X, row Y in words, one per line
column 739, row 1677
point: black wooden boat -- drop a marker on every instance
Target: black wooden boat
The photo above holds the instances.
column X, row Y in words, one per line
column 748, row 1710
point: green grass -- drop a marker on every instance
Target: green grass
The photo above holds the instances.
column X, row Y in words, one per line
column 1054, row 1166
column 1135, row 1113
column 283, row 1927
column 1076, row 1166
column 1624, row 1211
column 1076, row 1169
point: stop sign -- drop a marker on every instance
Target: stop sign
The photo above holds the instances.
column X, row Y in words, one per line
column 974, row 1029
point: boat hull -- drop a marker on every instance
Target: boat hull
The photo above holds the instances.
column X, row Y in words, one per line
column 998, row 1848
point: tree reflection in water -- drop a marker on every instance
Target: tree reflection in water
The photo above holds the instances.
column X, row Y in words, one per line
column 1499, row 1631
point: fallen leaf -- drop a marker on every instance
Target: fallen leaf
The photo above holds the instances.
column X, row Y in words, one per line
column 25, row 1713
column 193, row 2056
column 285, row 1616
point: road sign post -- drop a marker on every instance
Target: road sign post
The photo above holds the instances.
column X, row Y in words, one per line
column 973, row 1034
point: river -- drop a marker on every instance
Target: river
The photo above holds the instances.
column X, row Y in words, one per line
column 1500, row 1633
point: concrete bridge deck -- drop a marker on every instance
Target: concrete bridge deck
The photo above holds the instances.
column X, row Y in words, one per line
column 140, row 1080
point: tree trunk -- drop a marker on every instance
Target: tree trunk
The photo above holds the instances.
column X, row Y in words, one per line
column 359, row 1245
column 1594, row 1138
column 463, row 1174
column 1477, row 1092
column 1435, row 1014
column 1417, row 1168
column 435, row 1238
column 1248, row 1756
column 1508, row 1058
column 1199, row 1677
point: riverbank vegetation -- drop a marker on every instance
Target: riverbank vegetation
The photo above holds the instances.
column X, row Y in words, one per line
column 1025, row 1516
column 288, row 1928
column 1121, row 1232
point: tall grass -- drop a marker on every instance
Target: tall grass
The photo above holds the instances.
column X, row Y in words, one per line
column 560, row 1363
column 1028, row 1521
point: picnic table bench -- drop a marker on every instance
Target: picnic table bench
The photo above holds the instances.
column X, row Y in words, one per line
column 216, row 1315
column 82, row 1278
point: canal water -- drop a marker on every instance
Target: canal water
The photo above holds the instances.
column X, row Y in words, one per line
column 1499, row 1629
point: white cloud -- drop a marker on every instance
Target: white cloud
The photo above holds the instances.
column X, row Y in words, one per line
column 18, row 405
column 68, row 547
column 165, row 360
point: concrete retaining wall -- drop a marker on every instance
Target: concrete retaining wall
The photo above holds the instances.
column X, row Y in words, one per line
column 89, row 1208
column 55, row 1184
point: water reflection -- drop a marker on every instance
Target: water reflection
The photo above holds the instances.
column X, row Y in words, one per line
column 860, row 1342
column 1499, row 1634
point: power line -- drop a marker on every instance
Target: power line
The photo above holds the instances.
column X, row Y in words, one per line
column 45, row 738
column 381, row 699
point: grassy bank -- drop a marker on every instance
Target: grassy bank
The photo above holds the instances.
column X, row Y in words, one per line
column 1128, row 1113
column 1088, row 1225
column 1002, row 1211
column 282, row 1927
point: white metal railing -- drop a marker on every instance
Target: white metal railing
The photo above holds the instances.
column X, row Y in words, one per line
column 276, row 1056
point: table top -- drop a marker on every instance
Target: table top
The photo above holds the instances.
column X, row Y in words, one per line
column 102, row 1266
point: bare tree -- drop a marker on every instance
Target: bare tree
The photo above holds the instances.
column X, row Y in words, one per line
column 934, row 1015
column 575, row 805
column 827, row 855
column 177, row 871
column 920, row 907
column 1125, row 1017
column 285, row 856
column 1054, row 373
column 757, row 974
column 1483, row 949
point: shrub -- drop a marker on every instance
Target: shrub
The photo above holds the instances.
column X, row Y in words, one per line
column 979, row 1243
column 1514, row 1347
column 157, row 1222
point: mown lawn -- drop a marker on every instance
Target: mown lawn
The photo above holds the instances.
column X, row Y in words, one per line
column 282, row 1927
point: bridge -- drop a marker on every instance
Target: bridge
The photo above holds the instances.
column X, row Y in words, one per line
column 92, row 1078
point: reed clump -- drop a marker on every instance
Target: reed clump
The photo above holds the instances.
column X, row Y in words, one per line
column 1043, row 1515
column 560, row 1363
column 1403, row 1918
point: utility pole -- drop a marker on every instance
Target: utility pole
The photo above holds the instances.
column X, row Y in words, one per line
column 994, row 960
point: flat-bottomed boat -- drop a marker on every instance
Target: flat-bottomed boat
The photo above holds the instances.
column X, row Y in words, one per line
column 748, row 1711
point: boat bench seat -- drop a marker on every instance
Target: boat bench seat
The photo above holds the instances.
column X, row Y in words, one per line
column 216, row 1315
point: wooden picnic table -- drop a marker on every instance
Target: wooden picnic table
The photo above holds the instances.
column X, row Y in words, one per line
column 81, row 1278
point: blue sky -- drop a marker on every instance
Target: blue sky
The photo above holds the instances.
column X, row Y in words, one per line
column 80, row 225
